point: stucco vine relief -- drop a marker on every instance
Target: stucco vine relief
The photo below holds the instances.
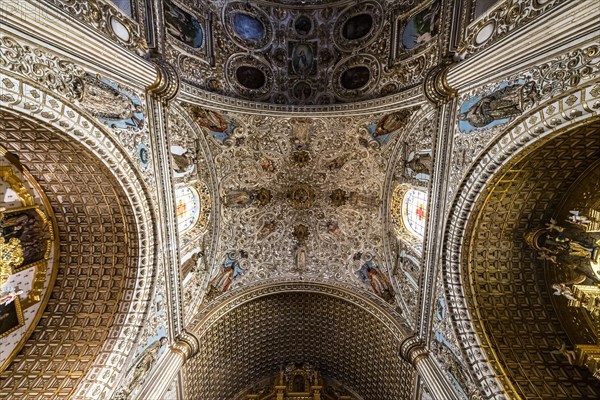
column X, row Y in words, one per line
column 299, row 197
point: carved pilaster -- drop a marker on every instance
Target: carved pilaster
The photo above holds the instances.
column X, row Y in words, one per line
column 186, row 346
column 415, row 352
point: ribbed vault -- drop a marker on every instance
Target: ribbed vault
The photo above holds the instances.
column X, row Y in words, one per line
column 252, row 341
column 98, row 255
column 507, row 286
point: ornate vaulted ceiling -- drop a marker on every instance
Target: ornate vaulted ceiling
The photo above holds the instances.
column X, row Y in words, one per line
column 242, row 200
column 252, row 341
column 302, row 197
column 515, row 290
column 314, row 52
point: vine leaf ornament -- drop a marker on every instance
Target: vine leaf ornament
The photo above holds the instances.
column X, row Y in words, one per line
column 11, row 254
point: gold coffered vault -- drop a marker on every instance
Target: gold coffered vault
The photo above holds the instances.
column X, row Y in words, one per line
column 293, row 200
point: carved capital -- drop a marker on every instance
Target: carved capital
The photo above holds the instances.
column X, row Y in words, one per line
column 436, row 85
column 413, row 350
column 166, row 86
column 187, row 344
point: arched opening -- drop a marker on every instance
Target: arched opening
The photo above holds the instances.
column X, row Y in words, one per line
column 264, row 329
column 533, row 245
column 97, row 265
column 188, row 208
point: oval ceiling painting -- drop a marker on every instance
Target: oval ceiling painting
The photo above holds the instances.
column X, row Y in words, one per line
column 248, row 27
column 357, row 27
column 250, row 77
column 355, row 77
column 303, row 25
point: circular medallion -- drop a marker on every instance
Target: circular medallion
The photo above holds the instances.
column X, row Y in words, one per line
column 356, row 76
column 302, row 91
column 250, row 76
column 303, row 25
column 358, row 26
column 247, row 25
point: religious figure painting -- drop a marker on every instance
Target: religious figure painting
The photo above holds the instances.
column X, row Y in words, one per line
column 230, row 270
column 219, row 126
column 302, row 58
column 382, row 130
column 421, row 28
column 248, row 27
column 502, row 105
column 30, row 228
column 114, row 106
column 371, row 275
column 182, row 25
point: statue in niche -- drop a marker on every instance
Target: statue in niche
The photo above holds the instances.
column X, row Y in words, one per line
column 183, row 162
column 238, row 198
column 300, row 259
column 139, row 371
column 266, row 229
column 507, row 102
column 243, row 198
column 301, row 134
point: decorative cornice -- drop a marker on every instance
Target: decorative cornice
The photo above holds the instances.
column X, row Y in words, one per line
column 436, row 86
column 166, row 86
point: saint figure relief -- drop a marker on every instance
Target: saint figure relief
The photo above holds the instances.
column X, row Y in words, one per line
column 508, row 102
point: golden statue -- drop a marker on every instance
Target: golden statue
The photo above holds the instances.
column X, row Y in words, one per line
column 11, row 254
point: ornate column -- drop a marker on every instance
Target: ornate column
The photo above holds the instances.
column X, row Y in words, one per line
column 160, row 94
column 438, row 92
column 168, row 366
column 414, row 351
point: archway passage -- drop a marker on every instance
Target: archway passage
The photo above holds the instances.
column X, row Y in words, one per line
column 343, row 341
column 530, row 332
column 98, row 254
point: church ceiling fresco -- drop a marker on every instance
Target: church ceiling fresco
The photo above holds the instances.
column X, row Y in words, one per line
column 307, row 55
column 300, row 197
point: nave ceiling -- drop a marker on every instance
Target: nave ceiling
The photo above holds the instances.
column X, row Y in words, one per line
column 319, row 156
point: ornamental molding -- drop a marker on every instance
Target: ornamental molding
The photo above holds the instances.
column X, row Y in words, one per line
column 108, row 19
column 367, row 301
column 33, row 102
column 406, row 99
column 574, row 108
